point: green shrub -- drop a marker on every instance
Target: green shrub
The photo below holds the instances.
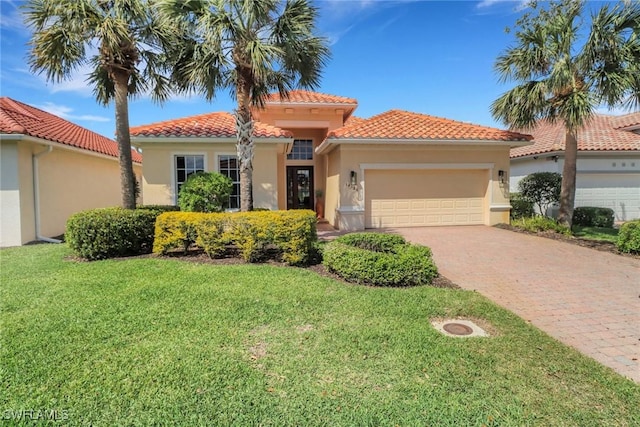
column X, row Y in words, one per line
column 520, row 208
column 541, row 189
column 377, row 242
column 588, row 216
column 210, row 234
column 175, row 230
column 289, row 235
column 205, row 192
column 392, row 262
column 160, row 208
column 111, row 232
column 540, row 223
column 629, row 237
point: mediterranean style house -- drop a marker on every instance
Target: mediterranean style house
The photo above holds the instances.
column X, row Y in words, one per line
column 608, row 166
column 395, row 169
column 51, row 168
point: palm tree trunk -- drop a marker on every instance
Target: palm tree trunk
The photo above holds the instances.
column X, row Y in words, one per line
column 568, row 189
column 244, row 131
column 123, row 137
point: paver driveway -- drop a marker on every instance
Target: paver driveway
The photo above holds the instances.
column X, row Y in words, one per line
column 585, row 298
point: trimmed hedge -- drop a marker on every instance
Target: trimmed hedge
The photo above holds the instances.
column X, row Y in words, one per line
column 541, row 223
column 160, row 208
column 588, row 216
column 629, row 237
column 257, row 235
column 376, row 242
column 111, row 232
column 380, row 260
column 520, row 208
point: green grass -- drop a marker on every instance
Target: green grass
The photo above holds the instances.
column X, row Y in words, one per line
column 165, row 342
column 596, row 233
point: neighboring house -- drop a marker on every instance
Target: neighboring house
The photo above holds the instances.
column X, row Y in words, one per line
column 608, row 166
column 51, row 168
column 393, row 169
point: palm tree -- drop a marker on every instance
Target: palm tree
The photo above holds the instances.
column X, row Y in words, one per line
column 250, row 47
column 563, row 76
column 126, row 35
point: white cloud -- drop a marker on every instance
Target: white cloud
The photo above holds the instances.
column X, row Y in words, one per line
column 487, row 3
column 339, row 17
column 77, row 83
column 11, row 17
column 65, row 112
column 519, row 4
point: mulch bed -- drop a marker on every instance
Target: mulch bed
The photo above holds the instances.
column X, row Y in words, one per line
column 198, row 256
column 598, row 245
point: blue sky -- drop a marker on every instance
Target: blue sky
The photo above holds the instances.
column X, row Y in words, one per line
column 432, row 57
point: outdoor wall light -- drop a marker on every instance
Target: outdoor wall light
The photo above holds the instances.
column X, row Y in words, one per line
column 353, row 180
column 502, row 175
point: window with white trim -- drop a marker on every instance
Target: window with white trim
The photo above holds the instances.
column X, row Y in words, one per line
column 187, row 165
column 302, row 150
column 228, row 166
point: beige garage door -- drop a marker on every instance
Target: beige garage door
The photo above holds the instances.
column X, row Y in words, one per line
column 415, row 198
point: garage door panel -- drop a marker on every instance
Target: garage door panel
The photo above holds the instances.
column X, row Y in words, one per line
column 423, row 198
column 618, row 192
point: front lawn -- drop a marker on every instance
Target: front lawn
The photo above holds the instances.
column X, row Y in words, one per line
column 596, row 233
column 152, row 341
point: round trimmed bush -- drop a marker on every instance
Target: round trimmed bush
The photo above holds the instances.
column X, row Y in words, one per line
column 520, row 208
column 588, row 216
column 376, row 242
column 205, row 192
column 111, row 232
column 629, row 237
column 379, row 260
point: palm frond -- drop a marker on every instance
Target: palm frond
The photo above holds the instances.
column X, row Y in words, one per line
column 269, row 42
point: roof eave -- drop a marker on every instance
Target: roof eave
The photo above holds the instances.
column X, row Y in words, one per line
column 41, row 141
column 550, row 153
column 139, row 140
column 12, row 136
column 415, row 141
column 314, row 104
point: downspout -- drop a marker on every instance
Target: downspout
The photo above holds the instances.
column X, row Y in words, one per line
column 36, row 195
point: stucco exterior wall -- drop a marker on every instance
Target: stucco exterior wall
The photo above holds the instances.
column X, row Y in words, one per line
column 10, row 224
column 265, row 177
column 353, row 157
column 602, row 180
column 303, row 117
column 522, row 168
column 70, row 182
column 332, row 190
column 158, row 184
column 27, row 203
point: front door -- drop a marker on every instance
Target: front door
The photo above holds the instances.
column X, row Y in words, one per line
column 299, row 187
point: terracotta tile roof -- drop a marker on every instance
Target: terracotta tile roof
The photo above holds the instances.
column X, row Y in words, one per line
column 307, row 97
column 398, row 124
column 210, row 125
column 598, row 135
column 626, row 120
column 19, row 118
column 354, row 120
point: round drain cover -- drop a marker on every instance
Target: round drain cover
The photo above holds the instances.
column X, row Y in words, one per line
column 457, row 329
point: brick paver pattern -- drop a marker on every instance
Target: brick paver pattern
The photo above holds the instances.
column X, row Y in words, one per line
column 585, row 298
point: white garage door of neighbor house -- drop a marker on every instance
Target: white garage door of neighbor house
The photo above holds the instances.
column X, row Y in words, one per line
column 416, row 198
column 618, row 192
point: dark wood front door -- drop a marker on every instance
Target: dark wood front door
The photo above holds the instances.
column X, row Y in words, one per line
column 300, row 187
